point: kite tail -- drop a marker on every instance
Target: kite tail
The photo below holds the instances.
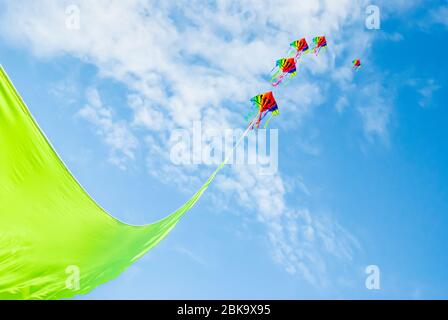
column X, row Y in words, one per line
column 279, row 80
column 298, row 55
column 318, row 50
column 257, row 120
column 252, row 123
column 267, row 122
column 286, row 82
column 290, row 52
column 275, row 75
column 260, row 119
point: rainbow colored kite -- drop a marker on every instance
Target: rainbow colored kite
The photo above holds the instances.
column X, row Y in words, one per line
column 283, row 68
column 299, row 47
column 356, row 64
column 265, row 104
column 319, row 43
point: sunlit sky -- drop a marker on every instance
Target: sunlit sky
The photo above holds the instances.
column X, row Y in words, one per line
column 362, row 176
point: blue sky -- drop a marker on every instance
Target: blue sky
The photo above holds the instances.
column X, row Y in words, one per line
column 362, row 178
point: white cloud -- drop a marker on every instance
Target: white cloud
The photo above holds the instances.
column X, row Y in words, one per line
column 308, row 244
column 375, row 111
column 425, row 88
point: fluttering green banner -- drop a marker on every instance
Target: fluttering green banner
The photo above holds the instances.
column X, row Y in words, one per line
column 55, row 241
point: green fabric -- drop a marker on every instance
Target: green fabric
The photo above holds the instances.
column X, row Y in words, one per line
column 48, row 222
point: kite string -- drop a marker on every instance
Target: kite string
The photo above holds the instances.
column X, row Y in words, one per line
column 204, row 187
column 249, row 128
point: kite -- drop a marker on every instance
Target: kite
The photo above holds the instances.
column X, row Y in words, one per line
column 319, row 43
column 265, row 104
column 356, row 64
column 51, row 231
column 299, row 47
column 283, row 68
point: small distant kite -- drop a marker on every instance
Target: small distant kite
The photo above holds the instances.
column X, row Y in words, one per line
column 283, row 68
column 299, row 47
column 265, row 104
column 319, row 43
column 356, row 64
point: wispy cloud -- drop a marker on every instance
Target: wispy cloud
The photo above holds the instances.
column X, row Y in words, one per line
column 304, row 243
column 440, row 15
column 308, row 244
column 375, row 112
column 427, row 91
column 115, row 134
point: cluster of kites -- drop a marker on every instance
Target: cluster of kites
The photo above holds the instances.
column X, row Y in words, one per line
column 285, row 69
